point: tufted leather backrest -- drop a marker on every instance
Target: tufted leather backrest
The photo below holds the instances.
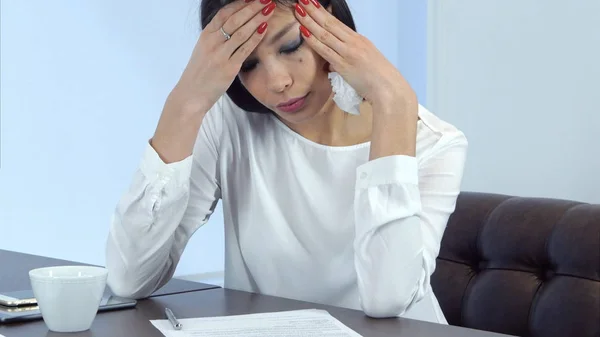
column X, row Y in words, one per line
column 521, row 266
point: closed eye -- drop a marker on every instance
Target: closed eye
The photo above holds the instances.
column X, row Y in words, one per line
column 288, row 49
column 248, row 66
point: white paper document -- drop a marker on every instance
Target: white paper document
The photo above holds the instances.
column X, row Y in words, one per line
column 298, row 323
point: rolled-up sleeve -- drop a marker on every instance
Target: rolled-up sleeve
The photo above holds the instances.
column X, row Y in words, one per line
column 402, row 206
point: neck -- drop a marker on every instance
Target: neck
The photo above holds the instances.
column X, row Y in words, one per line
column 334, row 127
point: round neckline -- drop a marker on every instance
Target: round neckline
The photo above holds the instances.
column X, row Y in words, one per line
column 305, row 140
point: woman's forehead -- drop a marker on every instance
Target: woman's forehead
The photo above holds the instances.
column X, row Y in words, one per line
column 282, row 13
column 280, row 23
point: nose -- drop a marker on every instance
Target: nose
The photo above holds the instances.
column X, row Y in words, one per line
column 278, row 78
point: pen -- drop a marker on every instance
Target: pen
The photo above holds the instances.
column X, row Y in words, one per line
column 174, row 322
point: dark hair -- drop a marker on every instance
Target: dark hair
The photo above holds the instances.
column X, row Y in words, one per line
column 237, row 92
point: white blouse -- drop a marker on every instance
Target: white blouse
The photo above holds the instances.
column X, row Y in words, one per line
column 302, row 220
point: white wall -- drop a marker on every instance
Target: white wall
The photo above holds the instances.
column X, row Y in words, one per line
column 82, row 86
column 399, row 30
column 521, row 78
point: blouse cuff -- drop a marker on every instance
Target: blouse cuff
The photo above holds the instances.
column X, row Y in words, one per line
column 155, row 169
column 398, row 169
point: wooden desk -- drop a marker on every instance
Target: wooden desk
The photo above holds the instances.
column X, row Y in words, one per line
column 220, row 302
column 15, row 267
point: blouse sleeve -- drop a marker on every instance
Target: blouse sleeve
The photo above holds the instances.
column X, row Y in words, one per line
column 154, row 219
column 401, row 210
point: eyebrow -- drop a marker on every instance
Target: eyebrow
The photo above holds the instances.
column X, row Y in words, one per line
column 282, row 33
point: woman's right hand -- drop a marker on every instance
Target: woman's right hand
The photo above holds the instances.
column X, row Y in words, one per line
column 214, row 64
column 216, row 61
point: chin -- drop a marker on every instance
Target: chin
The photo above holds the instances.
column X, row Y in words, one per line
column 298, row 118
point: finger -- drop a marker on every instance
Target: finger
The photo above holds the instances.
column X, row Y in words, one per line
column 242, row 53
column 241, row 17
column 326, row 20
column 223, row 14
column 247, row 31
column 328, row 53
column 323, row 35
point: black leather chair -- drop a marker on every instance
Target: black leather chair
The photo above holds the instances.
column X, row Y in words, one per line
column 521, row 266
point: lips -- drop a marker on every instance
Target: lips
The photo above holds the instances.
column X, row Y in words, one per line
column 292, row 105
column 290, row 102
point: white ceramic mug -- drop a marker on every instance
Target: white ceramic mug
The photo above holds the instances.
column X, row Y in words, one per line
column 68, row 296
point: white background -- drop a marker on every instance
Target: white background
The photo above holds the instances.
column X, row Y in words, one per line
column 82, row 87
column 522, row 80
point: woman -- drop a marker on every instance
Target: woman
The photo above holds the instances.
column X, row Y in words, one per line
column 319, row 205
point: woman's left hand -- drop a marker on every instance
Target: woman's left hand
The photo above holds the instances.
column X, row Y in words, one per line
column 352, row 55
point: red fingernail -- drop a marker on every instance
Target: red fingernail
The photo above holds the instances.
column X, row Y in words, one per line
column 304, row 31
column 261, row 29
column 306, row 2
column 300, row 10
column 316, row 3
column 264, row 2
column 267, row 10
